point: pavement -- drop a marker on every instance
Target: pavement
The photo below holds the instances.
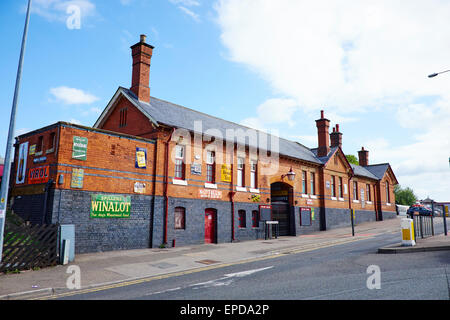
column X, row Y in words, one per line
column 104, row 270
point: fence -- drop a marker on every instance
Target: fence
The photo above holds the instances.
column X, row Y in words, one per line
column 423, row 226
column 29, row 246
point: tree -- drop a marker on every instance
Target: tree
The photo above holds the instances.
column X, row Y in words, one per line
column 352, row 159
column 405, row 196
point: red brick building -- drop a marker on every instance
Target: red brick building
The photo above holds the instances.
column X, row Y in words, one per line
column 188, row 177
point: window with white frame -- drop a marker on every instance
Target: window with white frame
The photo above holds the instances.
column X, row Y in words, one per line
column 333, row 186
column 388, row 198
column 210, row 167
column 253, row 174
column 312, row 180
column 179, row 162
column 240, row 172
column 304, row 190
column 369, row 197
column 355, row 190
column 341, row 194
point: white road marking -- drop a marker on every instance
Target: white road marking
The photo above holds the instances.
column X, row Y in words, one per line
column 227, row 279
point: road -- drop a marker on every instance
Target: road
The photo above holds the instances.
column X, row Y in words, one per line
column 338, row 272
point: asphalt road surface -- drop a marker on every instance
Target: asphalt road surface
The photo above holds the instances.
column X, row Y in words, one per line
column 348, row 271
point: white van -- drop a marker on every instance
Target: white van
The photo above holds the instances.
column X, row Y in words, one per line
column 401, row 210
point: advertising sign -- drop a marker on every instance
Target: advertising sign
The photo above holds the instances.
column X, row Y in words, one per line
column 196, row 169
column 211, row 194
column 110, row 206
column 32, row 150
column 77, row 178
column 265, row 212
column 141, row 158
column 305, row 216
column 225, row 172
column 22, row 164
column 79, row 148
column 139, row 187
column 38, row 175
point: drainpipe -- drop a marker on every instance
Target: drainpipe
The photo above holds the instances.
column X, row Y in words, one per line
column 166, row 183
column 349, row 198
column 44, row 210
column 232, row 193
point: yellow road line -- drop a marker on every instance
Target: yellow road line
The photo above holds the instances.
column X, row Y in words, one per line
column 180, row 273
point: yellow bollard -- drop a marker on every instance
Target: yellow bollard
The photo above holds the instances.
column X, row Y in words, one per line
column 408, row 232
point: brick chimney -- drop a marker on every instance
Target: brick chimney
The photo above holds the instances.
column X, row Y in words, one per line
column 363, row 156
column 336, row 137
column 142, row 56
column 323, row 135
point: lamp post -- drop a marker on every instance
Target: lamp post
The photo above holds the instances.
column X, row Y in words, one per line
column 443, row 214
column 437, row 73
column 9, row 143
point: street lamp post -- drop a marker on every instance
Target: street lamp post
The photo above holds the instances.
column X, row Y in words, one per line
column 443, row 211
column 9, row 143
column 437, row 73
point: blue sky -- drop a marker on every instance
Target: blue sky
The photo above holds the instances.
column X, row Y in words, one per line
column 267, row 64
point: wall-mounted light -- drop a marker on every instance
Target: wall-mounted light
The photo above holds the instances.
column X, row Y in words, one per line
column 290, row 175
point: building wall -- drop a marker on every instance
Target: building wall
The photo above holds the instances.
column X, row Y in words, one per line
column 102, row 234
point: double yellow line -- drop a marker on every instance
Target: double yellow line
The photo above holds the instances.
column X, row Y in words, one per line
column 181, row 273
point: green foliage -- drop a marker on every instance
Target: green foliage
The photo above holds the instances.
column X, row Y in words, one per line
column 352, row 159
column 12, row 218
column 405, row 197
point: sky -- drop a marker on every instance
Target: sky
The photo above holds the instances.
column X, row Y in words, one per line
column 270, row 65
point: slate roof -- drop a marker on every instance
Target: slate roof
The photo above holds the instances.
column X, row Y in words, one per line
column 363, row 172
column 170, row 114
column 378, row 170
column 181, row 117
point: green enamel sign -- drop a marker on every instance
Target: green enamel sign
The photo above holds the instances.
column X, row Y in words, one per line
column 79, row 148
column 110, row 206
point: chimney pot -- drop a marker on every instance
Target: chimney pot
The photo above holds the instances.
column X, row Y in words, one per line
column 363, row 156
column 141, row 53
column 337, row 127
column 321, row 114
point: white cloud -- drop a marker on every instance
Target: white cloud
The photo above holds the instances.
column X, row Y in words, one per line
column 186, row 3
column 272, row 111
column 190, row 13
column 70, row 96
column 125, row 2
column 75, row 121
column 351, row 57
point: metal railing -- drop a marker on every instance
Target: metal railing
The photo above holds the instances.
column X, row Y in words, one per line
column 423, row 226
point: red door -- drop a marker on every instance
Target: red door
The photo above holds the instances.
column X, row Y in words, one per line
column 210, row 226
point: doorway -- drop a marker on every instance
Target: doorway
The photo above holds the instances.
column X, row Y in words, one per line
column 210, row 225
column 281, row 196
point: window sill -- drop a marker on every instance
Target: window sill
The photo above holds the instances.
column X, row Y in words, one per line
column 369, row 202
column 209, row 185
column 179, row 182
column 312, row 196
column 334, row 198
column 253, row 190
column 50, row 151
column 355, row 201
column 241, row 189
column 305, row 195
column 341, row 199
column 388, row 204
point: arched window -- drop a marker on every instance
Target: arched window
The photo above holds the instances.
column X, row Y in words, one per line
column 242, row 219
column 255, row 219
column 180, row 218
